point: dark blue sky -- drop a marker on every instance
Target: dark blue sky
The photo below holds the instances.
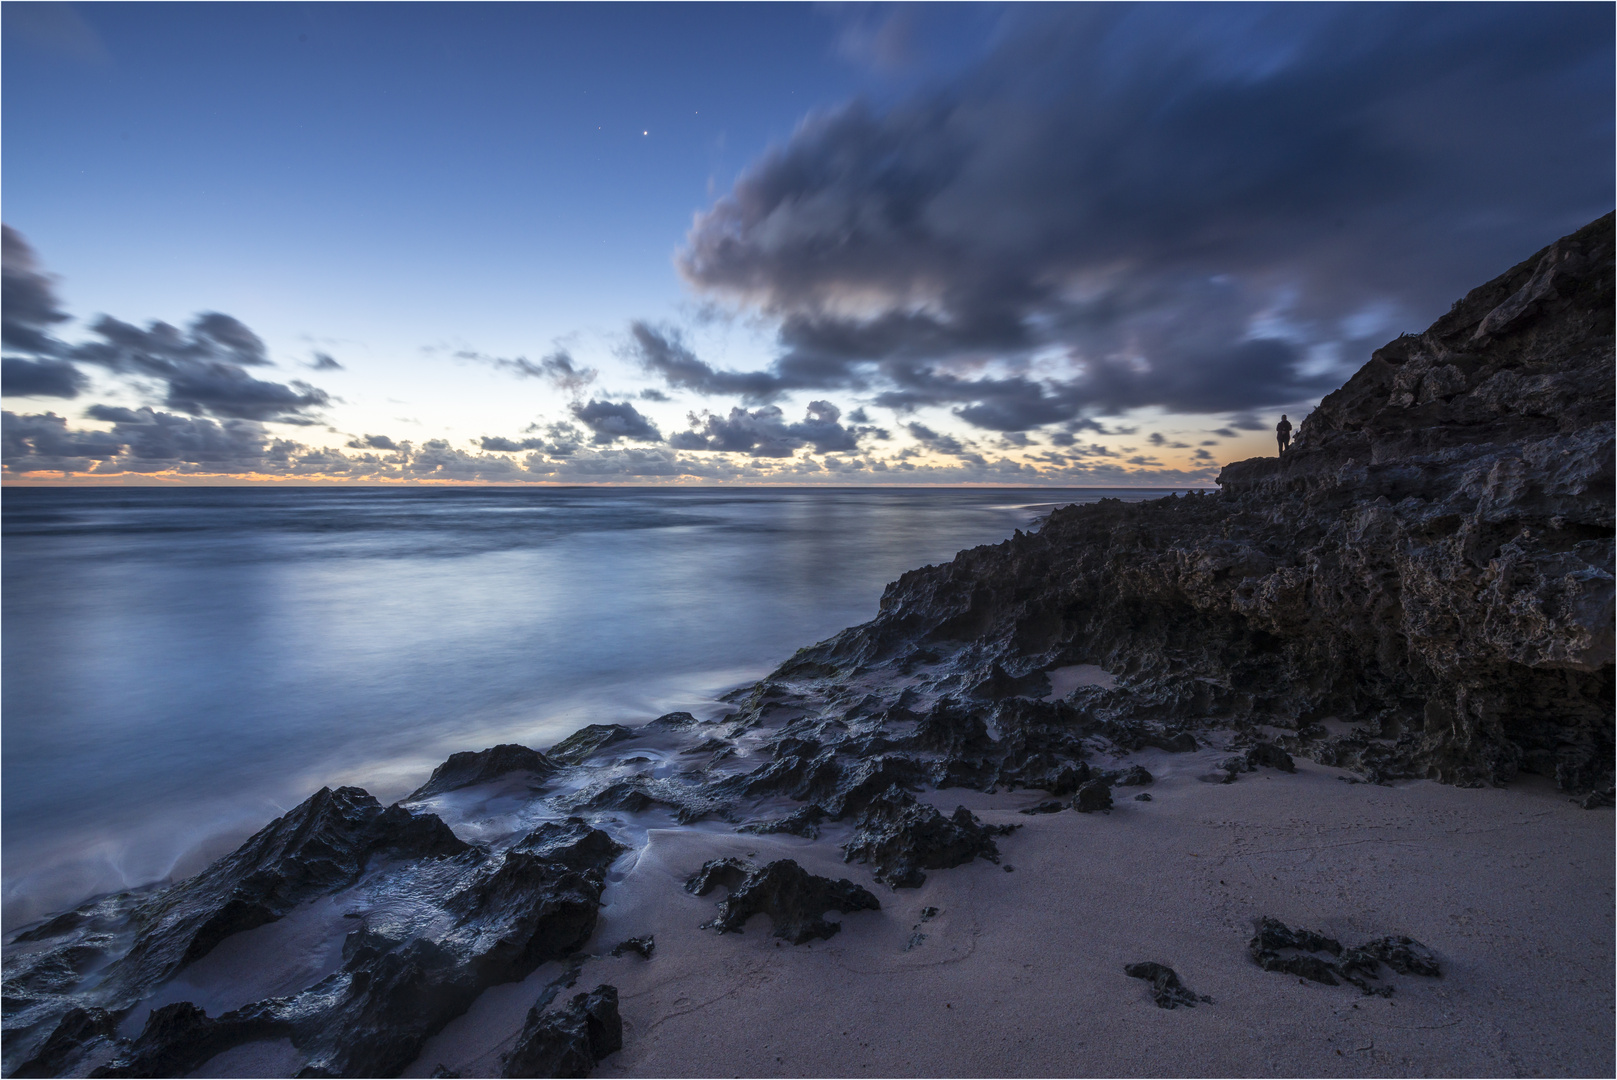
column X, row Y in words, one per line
column 955, row 243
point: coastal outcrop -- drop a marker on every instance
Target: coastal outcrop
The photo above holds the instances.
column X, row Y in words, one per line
column 1421, row 587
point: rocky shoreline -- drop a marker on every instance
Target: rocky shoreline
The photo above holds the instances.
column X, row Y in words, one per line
column 1421, row 588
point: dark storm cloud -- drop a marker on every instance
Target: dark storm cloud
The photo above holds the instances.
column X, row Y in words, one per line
column 662, row 353
column 46, row 440
column 162, row 350
column 764, row 432
column 40, row 378
column 28, row 304
column 611, row 421
column 226, row 391
column 944, row 444
column 373, row 442
column 1159, row 205
column 496, row 442
column 203, row 368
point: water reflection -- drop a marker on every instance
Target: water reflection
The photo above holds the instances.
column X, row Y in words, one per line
column 179, row 666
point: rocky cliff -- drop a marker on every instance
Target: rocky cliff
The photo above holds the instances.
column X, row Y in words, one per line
column 1431, row 562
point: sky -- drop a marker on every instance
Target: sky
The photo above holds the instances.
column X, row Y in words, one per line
column 1084, row 245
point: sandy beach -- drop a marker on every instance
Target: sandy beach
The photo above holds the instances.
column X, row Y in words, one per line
column 1021, row 973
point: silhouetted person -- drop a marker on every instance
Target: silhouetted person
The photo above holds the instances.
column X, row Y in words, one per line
column 1283, row 432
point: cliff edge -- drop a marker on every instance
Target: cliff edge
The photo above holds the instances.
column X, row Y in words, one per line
column 1432, row 563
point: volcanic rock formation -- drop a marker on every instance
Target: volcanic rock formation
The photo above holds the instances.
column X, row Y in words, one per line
column 1432, row 561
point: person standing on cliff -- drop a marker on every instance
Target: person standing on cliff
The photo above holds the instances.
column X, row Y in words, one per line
column 1283, row 432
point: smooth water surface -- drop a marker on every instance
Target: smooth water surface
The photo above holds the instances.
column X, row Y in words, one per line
column 182, row 665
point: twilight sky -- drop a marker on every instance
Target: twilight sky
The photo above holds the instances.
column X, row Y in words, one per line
column 1088, row 245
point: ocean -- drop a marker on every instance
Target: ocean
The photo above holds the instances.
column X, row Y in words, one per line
column 181, row 665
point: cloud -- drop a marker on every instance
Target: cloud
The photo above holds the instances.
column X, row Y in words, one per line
column 1157, row 206
column 226, row 391
column 559, row 369
column 44, row 441
column 611, row 421
column 203, row 368
column 148, row 441
column 40, row 378
column 663, row 353
column 504, row 445
column 325, row 362
column 28, row 303
column 764, row 432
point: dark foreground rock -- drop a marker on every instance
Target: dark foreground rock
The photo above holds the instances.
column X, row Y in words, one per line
column 570, row 1041
column 901, row 837
column 483, row 767
column 586, row 742
column 1277, row 947
column 136, row 941
column 439, row 921
column 794, row 899
column 78, row 1033
column 1166, row 989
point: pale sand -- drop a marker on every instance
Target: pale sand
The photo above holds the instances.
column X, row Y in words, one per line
column 1022, row 972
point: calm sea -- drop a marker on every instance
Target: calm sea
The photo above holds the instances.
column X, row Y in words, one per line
column 182, row 665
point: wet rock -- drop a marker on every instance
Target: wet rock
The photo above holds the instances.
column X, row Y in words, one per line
column 1144, row 796
column 469, row 769
column 689, row 798
column 1051, row 806
column 1166, row 989
column 586, row 742
column 707, row 746
column 840, row 788
column 319, row 847
column 1133, row 776
column 674, row 721
column 1267, row 755
column 794, row 899
column 568, row 1042
column 804, row 822
column 443, row 932
column 78, row 1032
column 573, row 844
column 902, row 837
column 641, row 946
column 1093, row 796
